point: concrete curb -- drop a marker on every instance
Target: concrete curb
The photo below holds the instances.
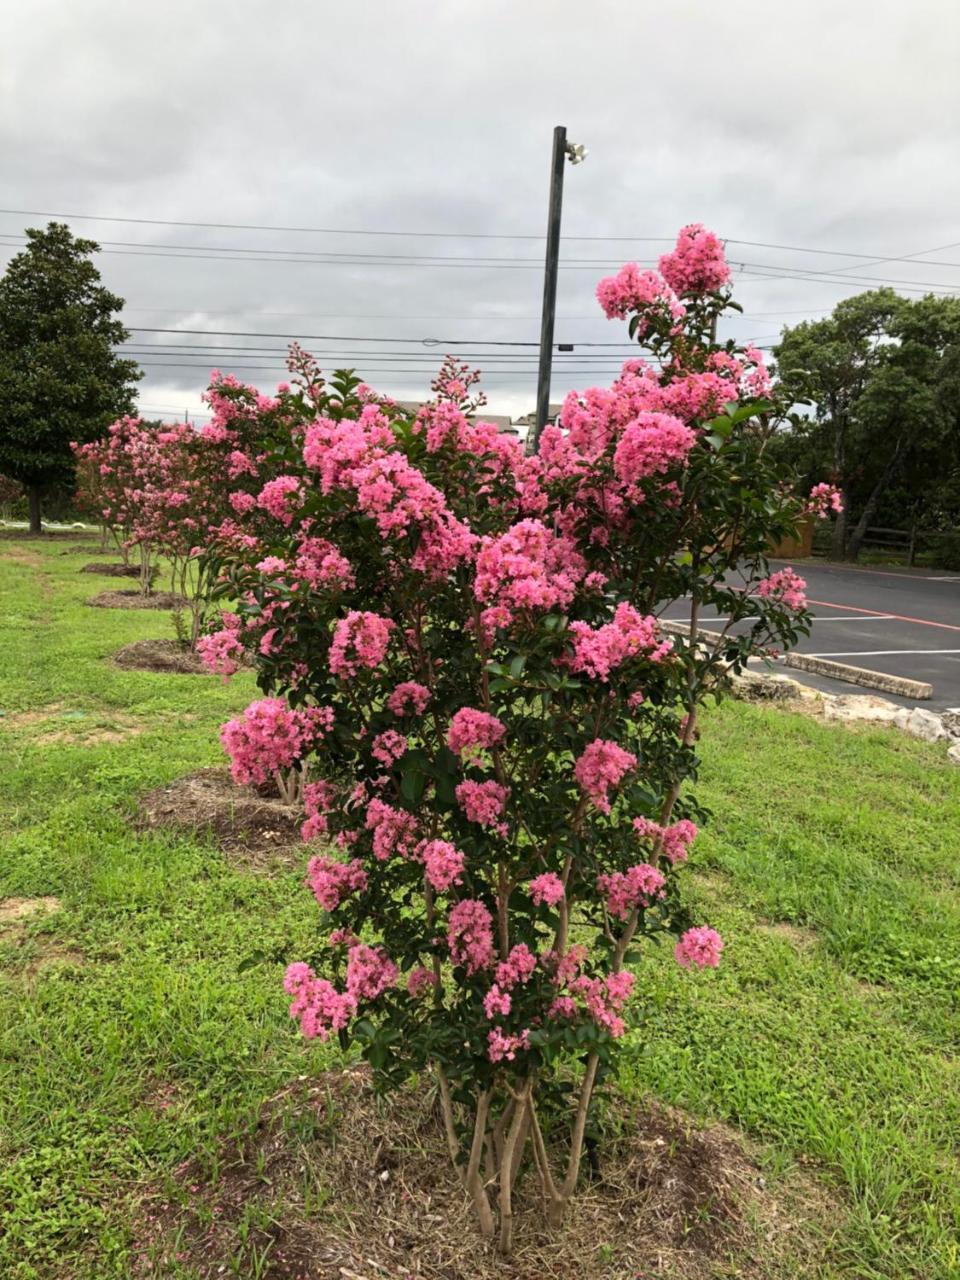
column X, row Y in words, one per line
column 899, row 685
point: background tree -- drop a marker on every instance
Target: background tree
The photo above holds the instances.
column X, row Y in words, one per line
column 883, row 375
column 61, row 379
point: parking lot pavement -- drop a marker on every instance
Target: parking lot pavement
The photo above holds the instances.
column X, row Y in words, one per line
column 900, row 622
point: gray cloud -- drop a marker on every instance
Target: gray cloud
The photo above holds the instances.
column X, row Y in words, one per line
column 816, row 125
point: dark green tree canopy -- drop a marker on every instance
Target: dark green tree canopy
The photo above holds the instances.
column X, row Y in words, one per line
column 882, row 377
column 61, row 379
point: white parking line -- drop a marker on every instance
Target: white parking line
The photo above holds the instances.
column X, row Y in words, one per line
column 875, row 653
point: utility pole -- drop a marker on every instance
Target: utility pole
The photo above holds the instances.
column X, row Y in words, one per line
column 575, row 154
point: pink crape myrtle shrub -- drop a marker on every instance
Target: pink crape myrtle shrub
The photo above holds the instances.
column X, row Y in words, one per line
column 499, row 741
column 170, row 490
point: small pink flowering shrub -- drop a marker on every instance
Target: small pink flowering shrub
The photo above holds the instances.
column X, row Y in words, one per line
column 461, row 655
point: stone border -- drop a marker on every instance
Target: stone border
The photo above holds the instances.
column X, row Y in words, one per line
column 899, row 685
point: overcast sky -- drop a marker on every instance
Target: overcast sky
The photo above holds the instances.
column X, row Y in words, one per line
column 812, row 125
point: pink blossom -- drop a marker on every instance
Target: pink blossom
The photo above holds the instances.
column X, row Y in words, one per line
column 823, row 499
column 673, row 842
column 784, row 586
column 442, row 863
column 388, row 747
column 505, row 1047
column 697, row 264
column 546, row 888
column 597, row 651
column 279, row 497
column 518, row 967
column 221, row 651
column 472, row 730
column 409, row 697
column 601, row 766
column 271, row 736
column 369, row 972
column 482, row 802
column 700, row 946
column 627, row 890
column 651, row 445
column 394, row 830
column 359, row 640
column 420, row 981
column 333, row 881
column 528, row 567
column 319, row 1007
column 470, row 935
column 641, row 291
column 496, row 1003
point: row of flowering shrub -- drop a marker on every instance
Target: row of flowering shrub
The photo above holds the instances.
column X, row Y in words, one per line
column 468, row 688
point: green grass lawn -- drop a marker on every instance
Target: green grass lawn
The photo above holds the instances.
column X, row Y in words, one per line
column 829, row 1034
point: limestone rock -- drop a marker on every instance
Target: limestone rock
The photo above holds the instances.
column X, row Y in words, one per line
column 921, row 724
column 950, row 719
column 860, row 706
column 953, row 755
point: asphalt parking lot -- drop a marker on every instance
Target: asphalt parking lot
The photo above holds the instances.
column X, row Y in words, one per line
column 901, row 622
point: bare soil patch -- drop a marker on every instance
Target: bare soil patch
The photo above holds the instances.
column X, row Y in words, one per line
column 336, row 1184
column 23, row 908
column 254, row 826
column 88, row 548
column 134, row 600
column 159, row 655
column 798, row 937
column 111, row 569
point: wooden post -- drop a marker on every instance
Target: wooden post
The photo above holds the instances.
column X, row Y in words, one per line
column 550, row 282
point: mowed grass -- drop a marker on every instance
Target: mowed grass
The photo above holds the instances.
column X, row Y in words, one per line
column 130, row 1042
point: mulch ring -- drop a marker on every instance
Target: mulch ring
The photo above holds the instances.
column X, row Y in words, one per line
column 250, row 824
column 134, row 600
column 334, row 1183
column 112, row 569
column 169, row 656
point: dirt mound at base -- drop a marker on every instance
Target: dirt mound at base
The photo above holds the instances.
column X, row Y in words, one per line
column 669, row 1199
column 134, row 600
column 257, row 829
column 111, row 569
column 159, row 655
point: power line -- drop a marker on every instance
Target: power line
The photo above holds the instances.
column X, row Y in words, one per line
column 330, row 337
column 454, row 235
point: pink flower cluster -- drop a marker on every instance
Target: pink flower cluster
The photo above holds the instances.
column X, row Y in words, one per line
column 409, row 698
column 271, row 736
column 280, row 498
column 651, row 445
column 369, row 972
column 388, row 747
column 823, row 499
column 317, row 1004
column 528, row 567
column 697, row 264
column 626, row 890
column 442, row 864
column 673, row 842
column 471, row 730
column 502, row 1047
column 317, row 800
column 602, row 999
column 546, row 888
column 642, row 291
column 785, row 586
column 394, row 830
column 361, row 639
column 470, row 935
column 701, row 947
column 221, row 651
column 598, row 651
column 333, row 881
column 483, row 802
column 601, row 766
